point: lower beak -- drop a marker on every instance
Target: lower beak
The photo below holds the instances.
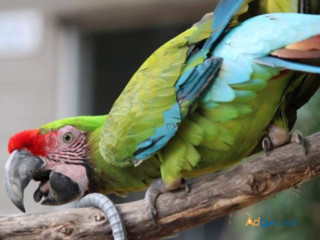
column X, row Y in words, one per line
column 19, row 171
column 62, row 190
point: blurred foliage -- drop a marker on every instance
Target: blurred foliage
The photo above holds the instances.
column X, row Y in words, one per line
column 302, row 204
column 309, row 116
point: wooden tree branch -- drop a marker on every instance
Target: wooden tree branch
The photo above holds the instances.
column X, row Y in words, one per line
column 210, row 197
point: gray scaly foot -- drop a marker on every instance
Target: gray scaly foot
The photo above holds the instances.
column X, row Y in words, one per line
column 155, row 189
column 102, row 202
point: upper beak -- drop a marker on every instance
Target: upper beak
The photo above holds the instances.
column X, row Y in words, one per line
column 20, row 168
column 56, row 188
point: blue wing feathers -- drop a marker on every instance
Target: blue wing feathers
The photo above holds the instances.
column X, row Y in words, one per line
column 162, row 135
column 197, row 80
column 188, row 87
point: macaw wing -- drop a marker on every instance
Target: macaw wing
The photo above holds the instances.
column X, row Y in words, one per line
column 148, row 112
column 210, row 131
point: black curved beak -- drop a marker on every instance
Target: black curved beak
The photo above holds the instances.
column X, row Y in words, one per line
column 55, row 188
column 19, row 170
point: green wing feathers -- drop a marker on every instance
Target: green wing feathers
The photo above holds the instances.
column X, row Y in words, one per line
column 139, row 110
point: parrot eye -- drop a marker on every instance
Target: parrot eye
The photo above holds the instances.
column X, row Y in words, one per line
column 68, row 137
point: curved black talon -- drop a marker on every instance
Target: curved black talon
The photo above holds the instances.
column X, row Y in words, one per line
column 267, row 145
column 298, row 138
column 153, row 214
column 185, row 184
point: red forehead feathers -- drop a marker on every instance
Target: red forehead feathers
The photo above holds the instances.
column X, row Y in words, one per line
column 31, row 140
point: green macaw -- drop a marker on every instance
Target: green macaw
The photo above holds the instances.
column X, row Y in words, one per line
column 201, row 102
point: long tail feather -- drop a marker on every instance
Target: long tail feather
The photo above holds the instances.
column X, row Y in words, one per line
column 281, row 63
column 221, row 17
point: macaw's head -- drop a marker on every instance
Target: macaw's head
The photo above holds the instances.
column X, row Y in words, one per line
column 58, row 155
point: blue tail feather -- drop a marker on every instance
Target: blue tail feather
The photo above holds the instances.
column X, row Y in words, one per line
column 281, row 63
column 221, row 17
